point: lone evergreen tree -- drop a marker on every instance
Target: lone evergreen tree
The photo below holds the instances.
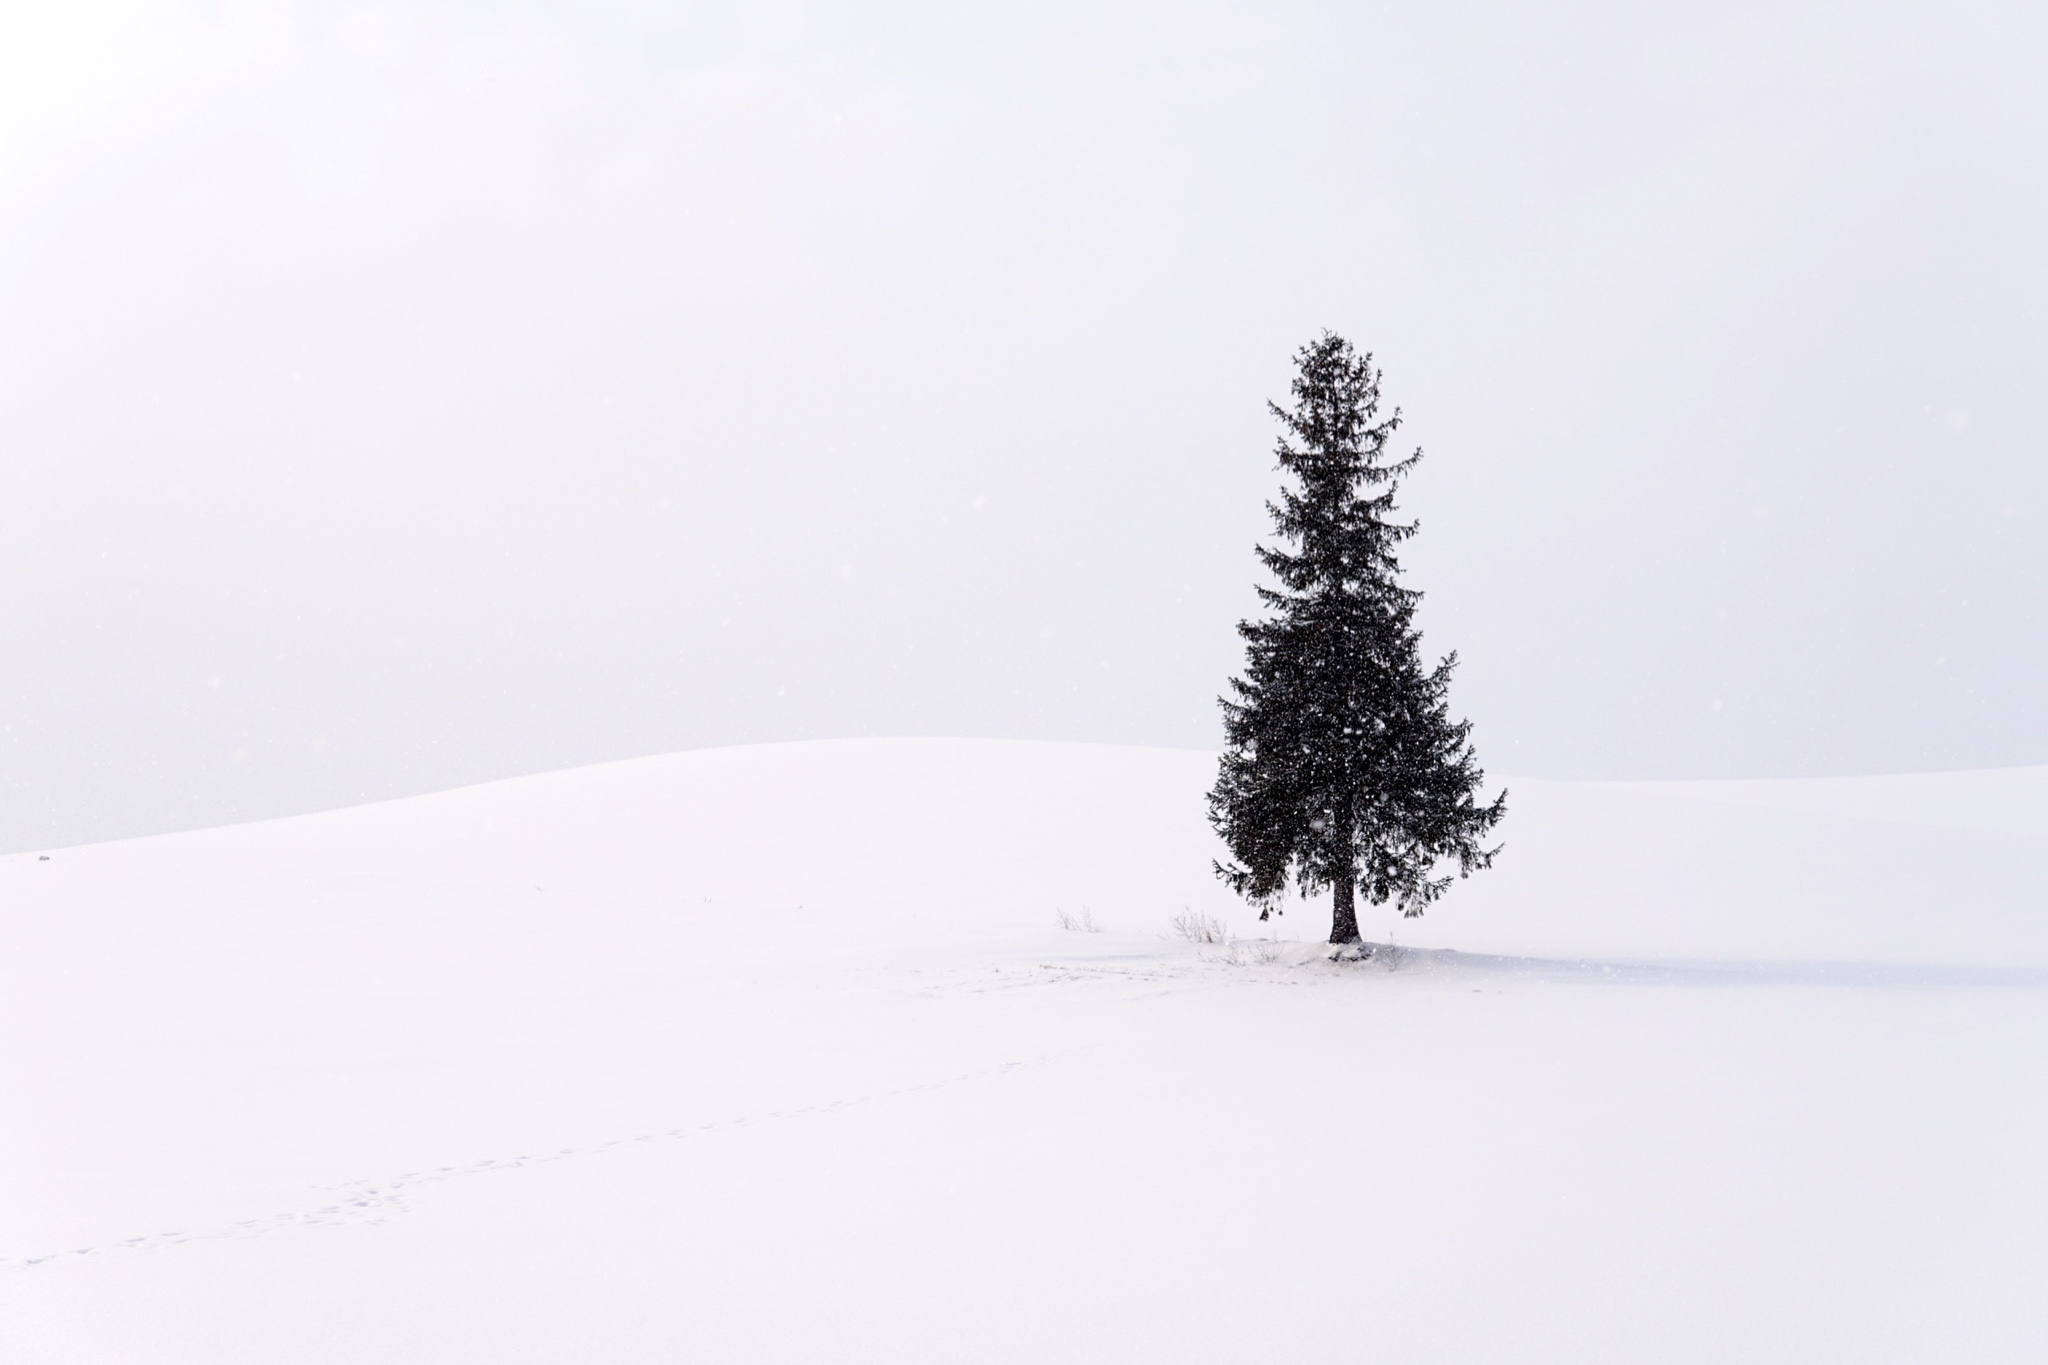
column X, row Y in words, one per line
column 1342, row 766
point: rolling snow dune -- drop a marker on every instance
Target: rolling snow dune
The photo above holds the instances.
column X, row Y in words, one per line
column 778, row 1053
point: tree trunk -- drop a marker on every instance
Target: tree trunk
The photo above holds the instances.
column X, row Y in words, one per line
column 1343, row 912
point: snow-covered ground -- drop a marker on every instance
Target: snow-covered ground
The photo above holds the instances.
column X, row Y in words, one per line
column 779, row 1053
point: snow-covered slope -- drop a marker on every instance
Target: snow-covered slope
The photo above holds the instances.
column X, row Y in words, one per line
column 778, row 1054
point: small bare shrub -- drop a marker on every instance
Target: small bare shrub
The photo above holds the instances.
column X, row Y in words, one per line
column 1084, row 922
column 1196, row 927
column 1257, row 952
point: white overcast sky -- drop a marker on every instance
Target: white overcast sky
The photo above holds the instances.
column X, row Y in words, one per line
column 400, row 395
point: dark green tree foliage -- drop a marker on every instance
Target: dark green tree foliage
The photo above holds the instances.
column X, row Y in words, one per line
column 1342, row 767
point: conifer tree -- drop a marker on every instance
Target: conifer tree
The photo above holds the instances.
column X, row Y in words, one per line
column 1342, row 767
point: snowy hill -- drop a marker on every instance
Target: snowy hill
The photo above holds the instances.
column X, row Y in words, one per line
column 779, row 1053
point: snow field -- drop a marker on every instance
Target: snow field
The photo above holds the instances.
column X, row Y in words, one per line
column 779, row 1054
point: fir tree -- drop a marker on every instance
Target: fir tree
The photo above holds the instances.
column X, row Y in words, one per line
column 1342, row 767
